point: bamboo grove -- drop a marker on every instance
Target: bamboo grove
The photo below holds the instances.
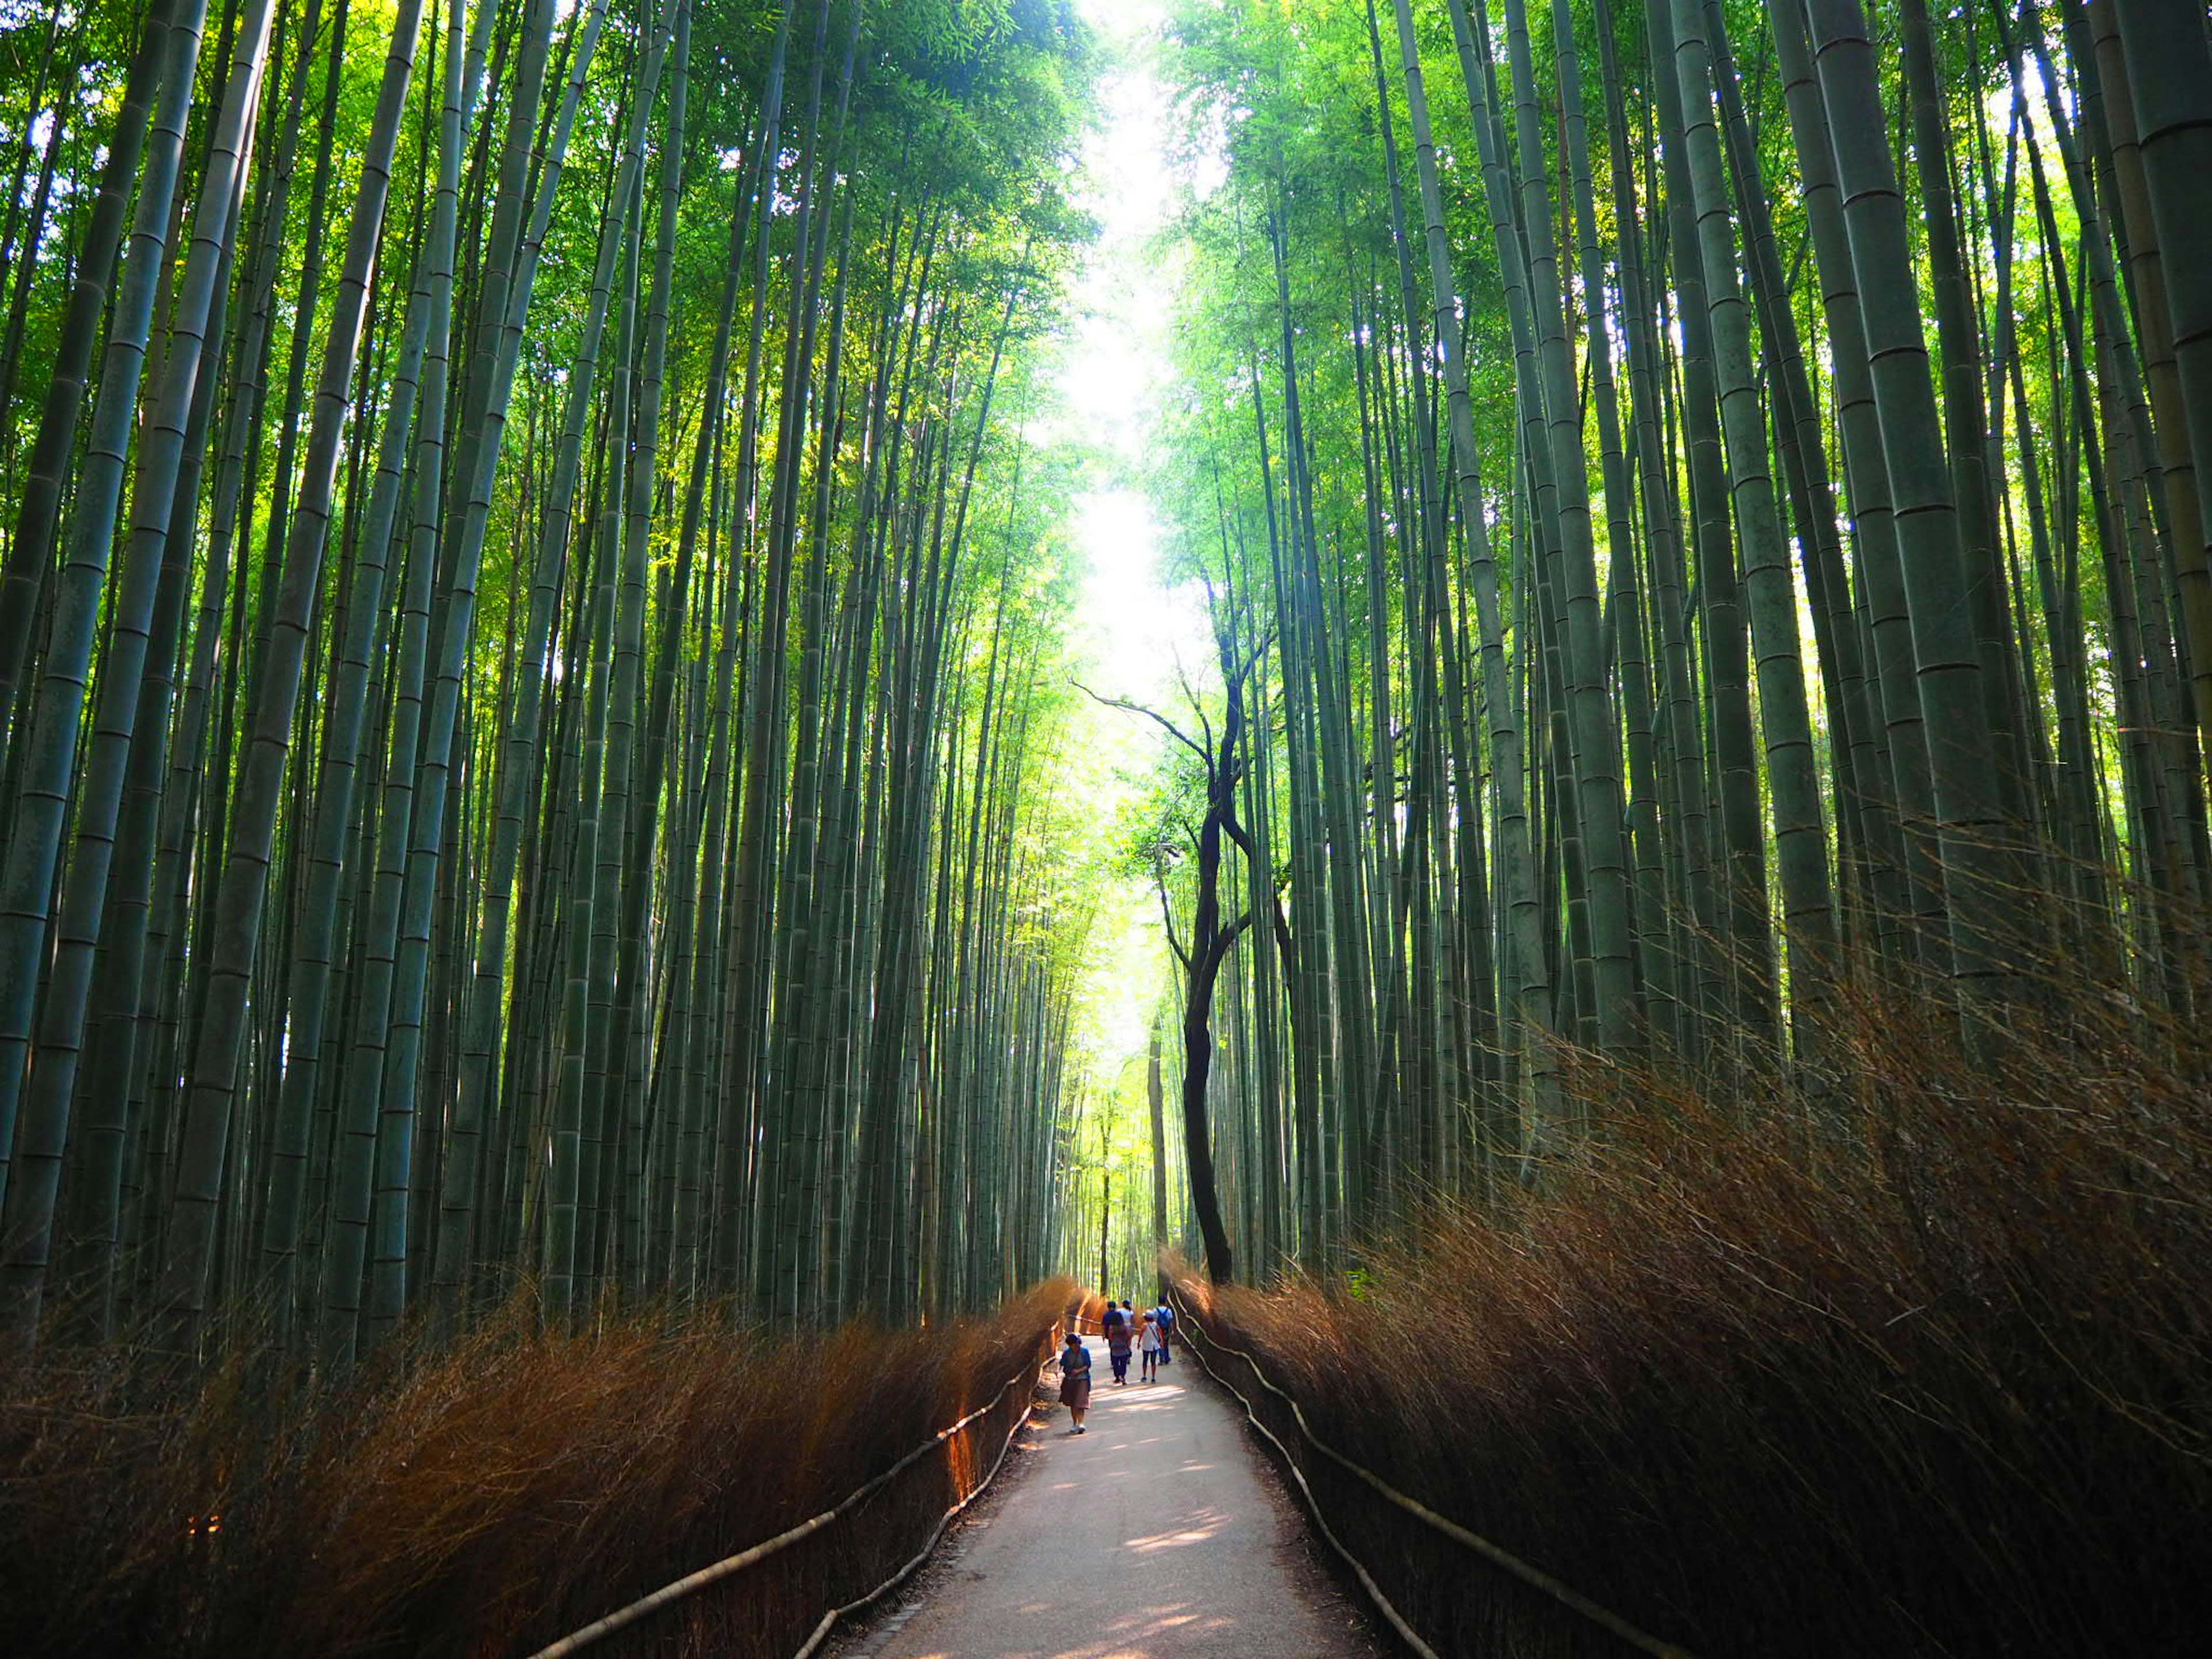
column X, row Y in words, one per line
column 529, row 664
column 1698, row 503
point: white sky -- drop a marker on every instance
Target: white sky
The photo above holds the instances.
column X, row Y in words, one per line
column 1131, row 630
column 1124, row 303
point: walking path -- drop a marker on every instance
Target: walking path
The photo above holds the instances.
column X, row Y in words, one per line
column 1155, row 1536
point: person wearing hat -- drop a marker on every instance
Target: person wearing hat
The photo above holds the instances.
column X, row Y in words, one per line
column 1075, row 1380
column 1149, row 1347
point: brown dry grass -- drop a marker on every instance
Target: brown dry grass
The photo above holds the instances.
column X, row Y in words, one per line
column 1936, row 1380
column 488, row 1498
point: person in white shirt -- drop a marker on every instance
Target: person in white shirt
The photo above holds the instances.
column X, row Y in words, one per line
column 1149, row 1348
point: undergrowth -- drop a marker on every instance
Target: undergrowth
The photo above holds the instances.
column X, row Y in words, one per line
column 488, row 1497
column 1933, row 1378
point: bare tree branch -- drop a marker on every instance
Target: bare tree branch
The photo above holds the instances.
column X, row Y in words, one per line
column 1157, row 719
column 1167, row 916
column 1243, row 838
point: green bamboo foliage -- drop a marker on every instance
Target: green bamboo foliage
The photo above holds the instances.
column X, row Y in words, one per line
column 44, row 1130
column 372, row 830
column 2128, row 201
column 42, row 777
column 39, row 519
column 217, row 1055
column 2159, row 146
column 1800, row 828
column 1963, row 763
column 1527, row 989
column 1814, row 650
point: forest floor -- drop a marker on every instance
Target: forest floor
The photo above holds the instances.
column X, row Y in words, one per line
column 1158, row 1535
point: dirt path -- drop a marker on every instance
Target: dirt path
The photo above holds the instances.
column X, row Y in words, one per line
column 1157, row 1535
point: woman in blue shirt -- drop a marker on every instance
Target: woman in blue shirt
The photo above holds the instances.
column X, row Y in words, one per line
column 1075, row 1380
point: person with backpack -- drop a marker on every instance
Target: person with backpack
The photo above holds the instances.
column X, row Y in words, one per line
column 1117, row 1342
column 1163, row 1315
column 1075, row 1380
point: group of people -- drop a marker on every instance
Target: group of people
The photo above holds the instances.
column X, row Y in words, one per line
column 1126, row 1330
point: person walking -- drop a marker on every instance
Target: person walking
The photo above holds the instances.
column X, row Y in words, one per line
column 1165, row 1317
column 1117, row 1344
column 1075, row 1380
column 1149, row 1346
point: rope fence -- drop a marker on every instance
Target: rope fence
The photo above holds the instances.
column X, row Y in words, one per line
column 691, row 1584
column 830, row 1618
column 1495, row 1553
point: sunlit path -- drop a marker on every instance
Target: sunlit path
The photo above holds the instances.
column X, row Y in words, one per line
column 1155, row 1536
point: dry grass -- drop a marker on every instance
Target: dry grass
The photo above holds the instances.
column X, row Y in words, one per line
column 1936, row 1380
column 489, row 1497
